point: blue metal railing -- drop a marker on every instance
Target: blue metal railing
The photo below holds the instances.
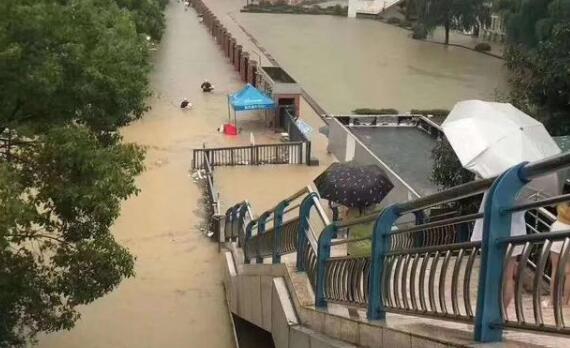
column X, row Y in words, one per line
column 421, row 267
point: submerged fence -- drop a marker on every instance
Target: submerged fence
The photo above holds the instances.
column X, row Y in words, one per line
column 419, row 263
column 284, row 153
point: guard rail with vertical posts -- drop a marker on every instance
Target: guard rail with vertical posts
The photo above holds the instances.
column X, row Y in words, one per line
column 418, row 262
column 283, row 153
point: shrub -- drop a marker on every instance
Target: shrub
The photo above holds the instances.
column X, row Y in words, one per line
column 482, row 47
column 371, row 111
column 394, row 20
column 405, row 24
column 339, row 10
column 419, row 32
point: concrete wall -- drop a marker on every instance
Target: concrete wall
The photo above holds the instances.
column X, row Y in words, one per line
column 264, row 300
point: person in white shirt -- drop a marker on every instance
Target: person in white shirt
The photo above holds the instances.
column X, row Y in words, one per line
column 518, row 228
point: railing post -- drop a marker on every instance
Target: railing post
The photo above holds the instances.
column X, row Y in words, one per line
column 496, row 225
column 308, row 153
column 276, row 154
column 260, row 231
column 323, row 254
column 241, row 220
column 248, row 231
column 420, row 219
column 382, row 227
column 234, row 235
column 277, row 230
column 304, row 213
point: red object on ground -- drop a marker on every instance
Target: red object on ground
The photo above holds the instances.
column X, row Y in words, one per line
column 230, row 129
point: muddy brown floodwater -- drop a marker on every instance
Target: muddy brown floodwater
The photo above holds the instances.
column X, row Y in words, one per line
column 345, row 63
column 176, row 298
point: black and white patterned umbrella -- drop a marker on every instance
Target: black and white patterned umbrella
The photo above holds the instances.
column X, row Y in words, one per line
column 354, row 185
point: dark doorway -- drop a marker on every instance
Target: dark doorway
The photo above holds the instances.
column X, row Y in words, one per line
column 285, row 105
column 252, row 336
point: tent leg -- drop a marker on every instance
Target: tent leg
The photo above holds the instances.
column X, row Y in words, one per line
column 229, row 112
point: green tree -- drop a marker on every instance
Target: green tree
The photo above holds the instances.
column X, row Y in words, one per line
column 529, row 22
column 447, row 171
column 148, row 16
column 70, row 63
column 538, row 57
column 540, row 79
column 59, row 195
column 71, row 73
column 453, row 14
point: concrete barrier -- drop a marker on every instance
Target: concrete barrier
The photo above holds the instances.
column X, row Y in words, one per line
column 244, row 59
column 252, row 72
column 237, row 56
column 225, row 41
column 264, row 299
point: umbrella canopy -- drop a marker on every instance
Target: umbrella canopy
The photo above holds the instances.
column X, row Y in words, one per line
column 489, row 138
column 354, row 185
column 250, row 98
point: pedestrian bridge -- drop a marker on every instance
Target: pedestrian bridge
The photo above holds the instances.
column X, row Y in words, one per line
column 423, row 283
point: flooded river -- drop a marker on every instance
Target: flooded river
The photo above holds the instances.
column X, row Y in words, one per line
column 347, row 63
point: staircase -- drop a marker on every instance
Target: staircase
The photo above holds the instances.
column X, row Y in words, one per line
column 423, row 284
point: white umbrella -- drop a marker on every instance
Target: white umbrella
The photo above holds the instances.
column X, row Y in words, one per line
column 489, row 138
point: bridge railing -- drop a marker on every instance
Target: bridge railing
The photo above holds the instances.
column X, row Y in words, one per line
column 533, row 308
column 275, row 232
column 425, row 265
column 282, row 153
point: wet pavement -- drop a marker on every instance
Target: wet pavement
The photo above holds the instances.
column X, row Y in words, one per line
column 411, row 158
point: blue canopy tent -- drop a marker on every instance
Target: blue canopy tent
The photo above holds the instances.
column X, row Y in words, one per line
column 249, row 99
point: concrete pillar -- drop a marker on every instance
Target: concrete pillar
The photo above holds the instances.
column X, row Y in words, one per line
column 223, row 36
column 224, row 45
column 252, row 72
column 213, row 26
column 237, row 57
column 232, row 49
column 218, row 33
column 243, row 66
column 227, row 45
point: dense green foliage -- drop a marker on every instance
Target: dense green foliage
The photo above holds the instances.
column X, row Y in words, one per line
column 531, row 21
column 453, row 14
column 283, row 7
column 538, row 57
column 482, row 47
column 447, row 170
column 71, row 73
column 147, row 15
column 419, row 32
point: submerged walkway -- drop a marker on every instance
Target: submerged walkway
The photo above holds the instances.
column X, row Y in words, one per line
column 176, row 298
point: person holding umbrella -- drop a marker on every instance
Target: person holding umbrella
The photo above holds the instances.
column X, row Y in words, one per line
column 359, row 188
column 489, row 138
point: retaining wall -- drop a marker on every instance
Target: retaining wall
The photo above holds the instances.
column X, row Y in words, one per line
column 235, row 53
